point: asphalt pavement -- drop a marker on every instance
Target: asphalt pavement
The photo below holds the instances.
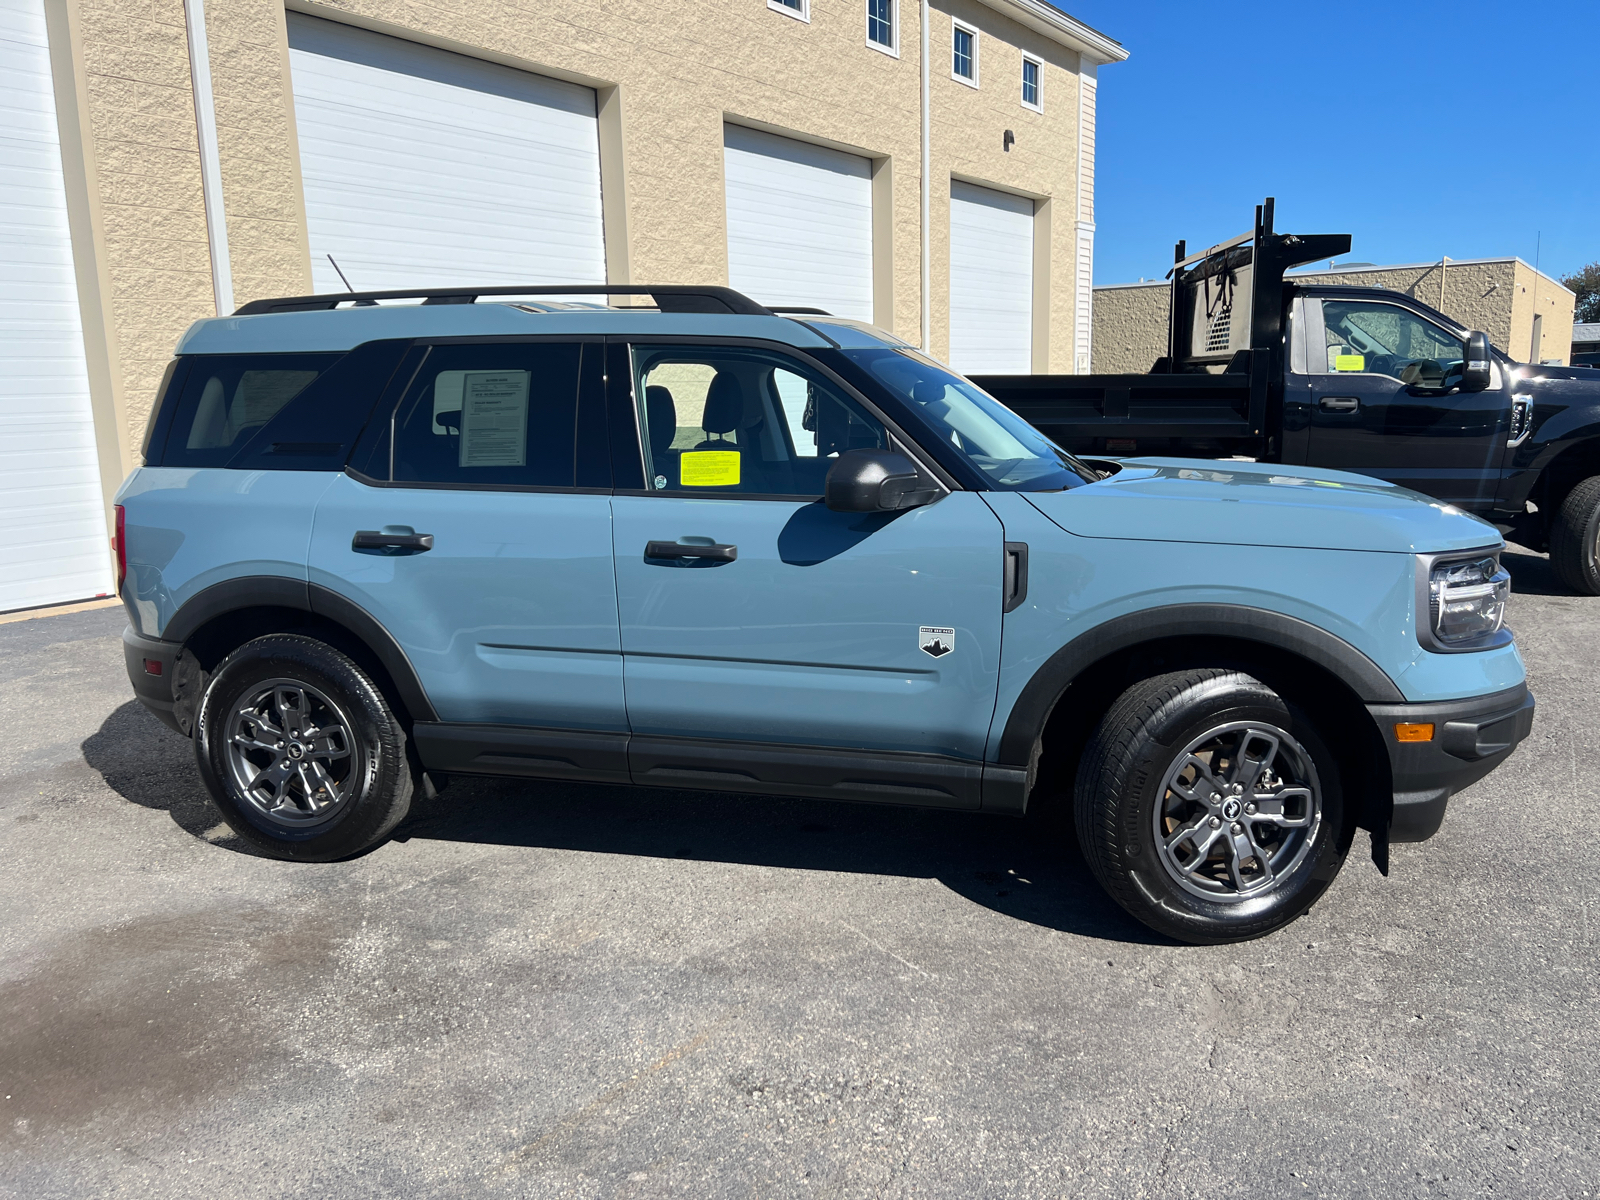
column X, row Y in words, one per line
column 551, row 990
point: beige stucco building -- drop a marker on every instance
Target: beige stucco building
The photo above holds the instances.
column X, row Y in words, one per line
column 216, row 151
column 1525, row 312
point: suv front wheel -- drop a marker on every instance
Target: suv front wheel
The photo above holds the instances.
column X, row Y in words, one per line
column 1209, row 808
column 301, row 753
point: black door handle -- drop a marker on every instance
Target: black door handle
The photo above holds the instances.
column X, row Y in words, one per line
column 372, row 539
column 1339, row 404
column 1016, row 575
column 679, row 550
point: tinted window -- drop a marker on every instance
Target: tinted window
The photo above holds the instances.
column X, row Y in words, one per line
column 490, row 415
column 743, row 421
column 228, row 398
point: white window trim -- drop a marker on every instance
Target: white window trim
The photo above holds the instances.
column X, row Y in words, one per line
column 956, row 24
column 894, row 24
column 802, row 14
column 1039, row 107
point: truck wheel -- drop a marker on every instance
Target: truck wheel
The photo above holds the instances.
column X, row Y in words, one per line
column 301, row 753
column 1575, row 538
column 1209, row 808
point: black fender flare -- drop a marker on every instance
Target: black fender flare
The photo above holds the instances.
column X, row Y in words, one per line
column 277, row 591
column 1037, row 700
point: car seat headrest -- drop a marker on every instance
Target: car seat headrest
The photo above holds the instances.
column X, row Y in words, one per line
column 661, row 415
column 724, row 404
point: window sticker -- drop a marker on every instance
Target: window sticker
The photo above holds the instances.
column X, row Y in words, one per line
column 1349, row 362
column 494, row 419
column 708, row 468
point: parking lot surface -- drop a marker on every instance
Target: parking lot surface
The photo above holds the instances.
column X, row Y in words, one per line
column 568, row 990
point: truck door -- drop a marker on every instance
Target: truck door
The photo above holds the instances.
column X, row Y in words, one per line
column 1383, row 403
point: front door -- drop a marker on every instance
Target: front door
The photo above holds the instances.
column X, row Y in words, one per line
column 466, row 531
column 1384, row 402
column 752, row 612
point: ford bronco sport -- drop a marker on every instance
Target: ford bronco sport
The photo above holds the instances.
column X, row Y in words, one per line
column 706, row 545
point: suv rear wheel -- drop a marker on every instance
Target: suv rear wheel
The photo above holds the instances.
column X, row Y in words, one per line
column 1209, row 808
column 301, row 753
column 1575, row 538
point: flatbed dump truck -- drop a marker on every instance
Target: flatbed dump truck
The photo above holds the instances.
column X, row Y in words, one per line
column 1369, row 380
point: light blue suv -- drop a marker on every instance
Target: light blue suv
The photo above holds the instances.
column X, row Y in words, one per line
column 708, row 545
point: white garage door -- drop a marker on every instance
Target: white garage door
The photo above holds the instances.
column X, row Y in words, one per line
column 991, row 281
column 53, row 544
column 428, row 168
column 799, row 223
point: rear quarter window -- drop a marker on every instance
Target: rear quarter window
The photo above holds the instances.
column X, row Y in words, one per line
column 275, row 412
column 227, row 399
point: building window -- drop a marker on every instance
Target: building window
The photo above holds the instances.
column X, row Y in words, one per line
column 799, row 9
column 1030, row 84
column 881, row 31
column 964, row 59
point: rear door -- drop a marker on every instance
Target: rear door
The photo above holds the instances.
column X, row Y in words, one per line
column 474, row 524
column 751, row 612
column 1382, row 402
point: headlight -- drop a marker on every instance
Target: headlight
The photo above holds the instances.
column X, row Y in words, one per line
column 1466, row 600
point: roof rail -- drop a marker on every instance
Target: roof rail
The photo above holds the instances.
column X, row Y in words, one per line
column 669, row 297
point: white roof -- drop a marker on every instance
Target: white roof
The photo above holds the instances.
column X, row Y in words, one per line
column 1058, row 27
column 1585, row 333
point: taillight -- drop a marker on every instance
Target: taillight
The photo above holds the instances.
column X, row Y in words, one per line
column 119, row 543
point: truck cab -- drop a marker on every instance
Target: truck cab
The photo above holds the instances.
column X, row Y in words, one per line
column 1355, row 379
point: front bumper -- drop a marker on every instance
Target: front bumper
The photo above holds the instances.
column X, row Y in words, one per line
column 1470, row 738
column 151, row 663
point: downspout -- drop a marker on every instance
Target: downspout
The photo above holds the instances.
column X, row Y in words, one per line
column 205, row 120
column 927, row 168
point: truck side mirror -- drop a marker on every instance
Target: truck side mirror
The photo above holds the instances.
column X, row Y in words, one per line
column 869, row 481
column 1475, row 368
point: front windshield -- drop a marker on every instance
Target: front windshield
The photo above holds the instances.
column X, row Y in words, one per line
column 1012, row 454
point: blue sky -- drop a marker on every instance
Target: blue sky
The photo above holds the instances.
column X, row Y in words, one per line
column 1421, row 128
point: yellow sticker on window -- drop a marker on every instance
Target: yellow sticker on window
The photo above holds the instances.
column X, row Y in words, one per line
column 709, row 468
column 1349, row 362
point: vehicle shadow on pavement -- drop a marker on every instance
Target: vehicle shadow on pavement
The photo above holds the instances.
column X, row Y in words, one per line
column 1029, row 868
column 1531, row 574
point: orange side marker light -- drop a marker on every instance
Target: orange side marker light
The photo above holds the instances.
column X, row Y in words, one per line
column 1407, row 732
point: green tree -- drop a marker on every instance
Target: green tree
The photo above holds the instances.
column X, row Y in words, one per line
column 1586, row 283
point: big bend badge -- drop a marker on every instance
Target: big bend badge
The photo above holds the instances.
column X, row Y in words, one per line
column 935, row 641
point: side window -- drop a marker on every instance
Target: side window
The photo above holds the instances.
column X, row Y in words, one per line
column 742, row 421
column 490, row 414
column 1384, row 339
column 228, row 398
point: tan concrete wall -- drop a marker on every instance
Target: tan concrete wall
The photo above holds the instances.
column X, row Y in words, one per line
column 1130, row 327
column 1538, row 294
column 140, row 111
column 968, row 144
column 671, row 75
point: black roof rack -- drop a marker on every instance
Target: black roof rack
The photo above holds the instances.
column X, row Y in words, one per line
column 669, row 297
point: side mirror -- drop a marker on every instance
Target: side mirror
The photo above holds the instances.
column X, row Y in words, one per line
column 869, row 481
column 1475, row 368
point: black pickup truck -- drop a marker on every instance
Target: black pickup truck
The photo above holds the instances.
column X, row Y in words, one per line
column 1358, row 379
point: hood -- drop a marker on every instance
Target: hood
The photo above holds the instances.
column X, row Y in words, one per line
column 1261, row 504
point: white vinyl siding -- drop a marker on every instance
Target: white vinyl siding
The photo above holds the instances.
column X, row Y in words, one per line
column 991, row 281
column 423, row 167
column 1083, row 270
column 799, row 223
column 53, row 538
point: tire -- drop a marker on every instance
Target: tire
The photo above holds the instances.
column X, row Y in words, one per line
column 1150, row 772
column 1575, row 538
column 300, row 751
